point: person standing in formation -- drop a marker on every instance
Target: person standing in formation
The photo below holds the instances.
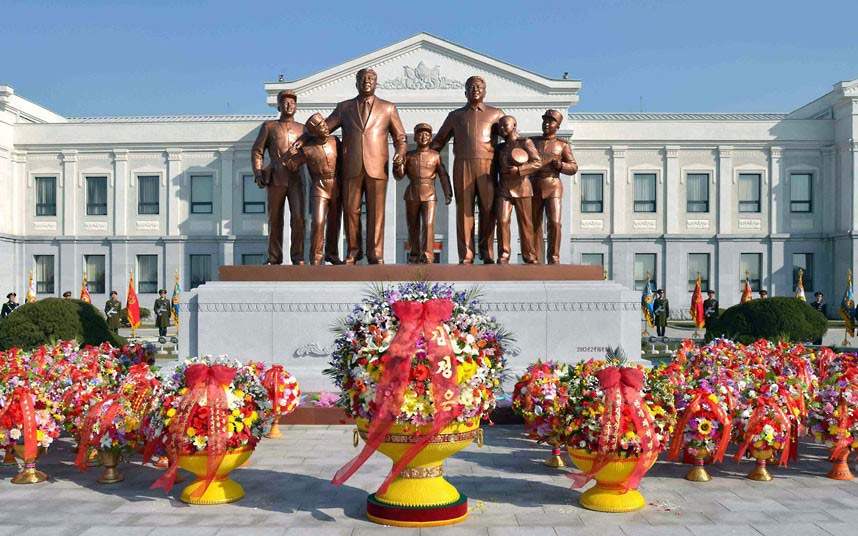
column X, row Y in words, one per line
column 710, row 308
column 9, row 306
column 474, row 129
column 112, row 308
column 557, row 158
column 661, row 310
column 517, row 158
column 162, row 313
column 819, row 304
column 422, row 165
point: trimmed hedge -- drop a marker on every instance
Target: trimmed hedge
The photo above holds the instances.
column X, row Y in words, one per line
column 144, row 314
column 774, row 319
column 52, row 319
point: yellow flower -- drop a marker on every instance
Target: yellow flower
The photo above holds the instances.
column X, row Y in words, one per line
column 239, row 393
column 183, row 390
column 191, row 431
column 40, row 435
column 236, row 413
column 465, row 370
column 171, row 412
column 704, row 427
column 239, row 427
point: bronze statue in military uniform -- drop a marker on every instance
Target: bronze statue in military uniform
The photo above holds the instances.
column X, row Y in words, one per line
column 112, row 308
column 517, row 158
column 162, row 313
column 710, row 309
column 321, row 153
column 474, row 129
column 422, row 165
column 557, row 158
column 282, row 183
column 661, row 309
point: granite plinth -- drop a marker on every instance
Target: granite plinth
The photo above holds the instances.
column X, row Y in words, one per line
column 293, row 322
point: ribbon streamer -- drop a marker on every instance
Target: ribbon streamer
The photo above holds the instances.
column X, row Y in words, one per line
column 690, row 410
column 757, row 417
column 86, row 438
column 24, row 396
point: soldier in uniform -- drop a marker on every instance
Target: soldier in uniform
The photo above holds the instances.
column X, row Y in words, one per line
column 474, row 129
column 282, row 183
column 10, row 305
column 820, row 304
column 67, row 294
column 112, row 308
column 661, row 308
column 517, row 158
column 422, row 165
column 764, row 294
column 710, row 308
column 162, row 313
column 547, row 188
column 321, row 153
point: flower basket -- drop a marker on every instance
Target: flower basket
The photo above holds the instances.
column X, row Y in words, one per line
column 540, row 398
column 833, row 412
column 611, row 493
column 283, row 392
column 221, row 489
column 418, row 366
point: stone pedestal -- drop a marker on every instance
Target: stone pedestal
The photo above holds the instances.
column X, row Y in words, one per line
column 293, row 322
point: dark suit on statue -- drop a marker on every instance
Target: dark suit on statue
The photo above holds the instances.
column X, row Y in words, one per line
column 366, row 124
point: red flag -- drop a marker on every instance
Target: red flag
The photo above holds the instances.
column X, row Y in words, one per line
column 697, row 306
column 747, row 295
column 84, row 292
column 132, row 305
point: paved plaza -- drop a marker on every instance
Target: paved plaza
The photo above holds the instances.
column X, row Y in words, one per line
column 511, row 492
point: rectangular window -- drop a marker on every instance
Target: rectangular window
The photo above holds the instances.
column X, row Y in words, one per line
column 254, row 196
column 202, row 194
column 252, row 259
column 591, row 192
column 44, row 273
column 645, row 265
column 644, row 192
column 803, row 262
column 749, row 192
column 751, row 265
column 46, row 196
column 698, row 263
column 201, row 269
column 147, row 274
column 148, row 194
column 697, row 192
column 94, row 272
column 96, row 196
column 801, row 192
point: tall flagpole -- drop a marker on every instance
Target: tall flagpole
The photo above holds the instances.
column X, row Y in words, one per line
column 133, row 328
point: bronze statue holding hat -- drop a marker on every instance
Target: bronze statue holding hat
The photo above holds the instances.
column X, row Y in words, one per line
column 557, row 159
column 422, row 165
column 282, row 183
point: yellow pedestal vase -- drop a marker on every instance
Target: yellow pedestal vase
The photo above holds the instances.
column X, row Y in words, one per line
column 420, row 496
column 29, row 474
column 222, row 489
column 610, row 493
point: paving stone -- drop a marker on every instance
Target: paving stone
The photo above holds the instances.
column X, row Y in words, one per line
column 104, row 530
column 720, row 530
column 805, row 529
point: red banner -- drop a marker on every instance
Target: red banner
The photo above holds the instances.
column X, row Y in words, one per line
column 697, row 313
column 132, row 305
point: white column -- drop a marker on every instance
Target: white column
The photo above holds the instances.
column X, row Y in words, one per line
column 672, row 201
column 852, row 177
column 390, row 245
column 68, row 184
column 452, row 238
column 121, row 186
column 777, row 191
column 174, row 187
column 620, row 187
column 227, row 218
column 16, row 205
column 725, row 189
column 825, row 200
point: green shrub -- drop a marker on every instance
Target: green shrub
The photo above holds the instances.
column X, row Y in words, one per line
column 774, row 319
column 144, row 314
column 52, row 319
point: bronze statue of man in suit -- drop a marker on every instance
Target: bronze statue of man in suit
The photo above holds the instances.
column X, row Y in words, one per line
column 517, row 158
column 282, row 183
column 366, row 121
column 322, row 156
column 474, row 129
column 557, row 158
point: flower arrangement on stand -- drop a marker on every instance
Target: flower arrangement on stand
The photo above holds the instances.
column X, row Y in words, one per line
column 210, row 417
column 540, row 398
column 617, row 426
column 283, row 392
column 833, row 413
column 418, row 366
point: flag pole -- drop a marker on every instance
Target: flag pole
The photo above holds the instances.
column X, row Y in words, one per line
column 696, row 335
column 133, row 328
column 845, row 329
column 645, row 332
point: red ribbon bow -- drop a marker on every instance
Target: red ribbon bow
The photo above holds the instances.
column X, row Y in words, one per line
column 205, row 383
column 689, row 412
column 416, row 320
column 622, row 387
column 87, row 440
column 763, row 404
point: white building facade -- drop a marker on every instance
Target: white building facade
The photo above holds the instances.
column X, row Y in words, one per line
column 724, row 195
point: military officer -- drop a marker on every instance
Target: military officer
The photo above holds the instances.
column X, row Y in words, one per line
column 162, row 313
column 517, row 158
column 112, row 308
column 557, row 158
column 67, row 295
column 661, row 308
column 820, row 304
column 422, row 166
column 10, row 305
column 710, row 308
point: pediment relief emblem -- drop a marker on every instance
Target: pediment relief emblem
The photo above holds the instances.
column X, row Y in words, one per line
column 422, row 77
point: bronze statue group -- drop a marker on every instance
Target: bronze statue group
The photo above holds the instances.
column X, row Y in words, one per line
column 520, row 175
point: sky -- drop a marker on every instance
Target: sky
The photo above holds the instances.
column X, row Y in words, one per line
column 94, row 58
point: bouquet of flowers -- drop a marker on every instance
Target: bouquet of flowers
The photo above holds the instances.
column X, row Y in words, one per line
column 110, row 425
column 282, row 389
column 541, row 398
column 361, row 355
column 27, row 414
column 765, row 416
column 833, row 412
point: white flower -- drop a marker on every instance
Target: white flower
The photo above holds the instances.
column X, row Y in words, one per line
column 15, row 434
column 774, row 388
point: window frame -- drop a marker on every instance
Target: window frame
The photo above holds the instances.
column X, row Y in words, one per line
column 637, row 205
column 692, row 278
column 36, row 180
column 755, row 283
column 40, row 289
column 140, row 203
column 758, row 202
column 586, row 204
column 195, row 204
column 90, row 206
column 688, row 202
column 808, row 257
column 809, row 200
column 96, row 286
column 191, row 284
column 153, row 285
column 245, row 203
column 653, row 274
column 262, row 256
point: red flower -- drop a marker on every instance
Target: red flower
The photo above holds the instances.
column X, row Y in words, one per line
column 420, row 372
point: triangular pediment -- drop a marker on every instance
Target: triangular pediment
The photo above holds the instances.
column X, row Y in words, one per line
column 425, row 70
